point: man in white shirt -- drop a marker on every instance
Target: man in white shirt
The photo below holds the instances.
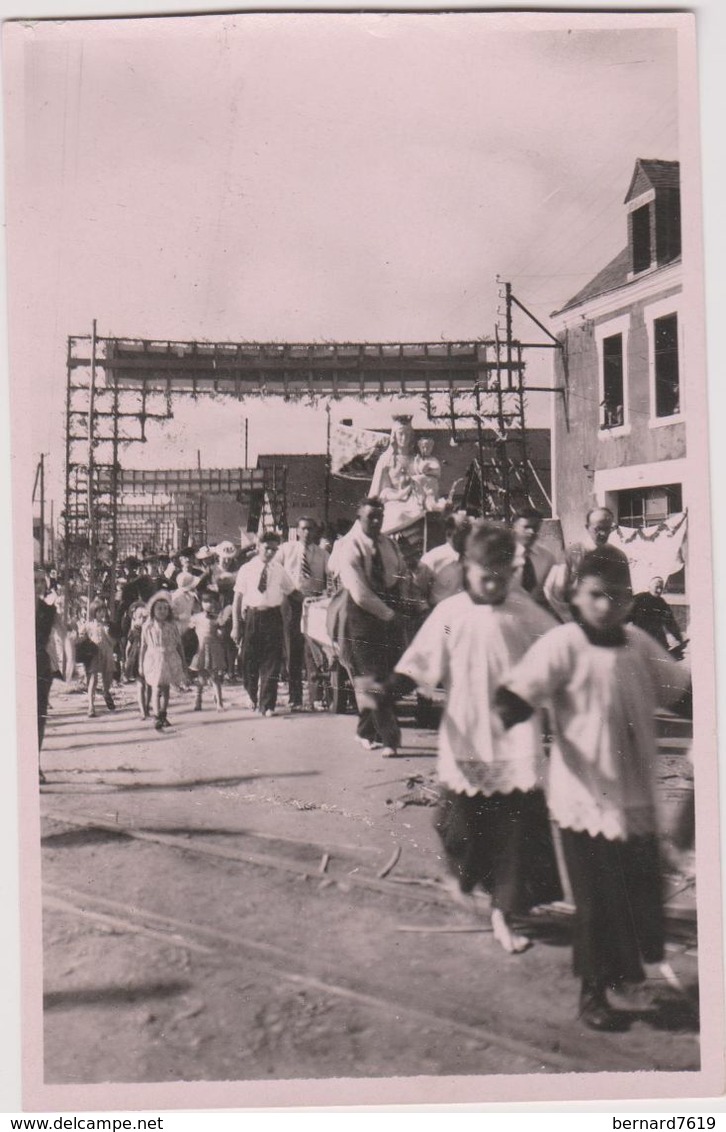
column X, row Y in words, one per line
column 442, row 572
column 259, row 590
column 532, row 561
column 370, row 568
column 562, row 578
column 305, row 563
column 442, row 565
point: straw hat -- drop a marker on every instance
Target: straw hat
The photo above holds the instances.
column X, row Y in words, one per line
column 160, row 595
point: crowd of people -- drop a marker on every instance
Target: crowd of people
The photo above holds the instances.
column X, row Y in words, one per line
column 522, row 645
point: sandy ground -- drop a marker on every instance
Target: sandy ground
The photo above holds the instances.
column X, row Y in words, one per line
column 214, row 912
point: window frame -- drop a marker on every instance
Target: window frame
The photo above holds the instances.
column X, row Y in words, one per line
column 643, row 492
column 646, row 211
column 643, row 200
column 609, row 329
column 651, row 313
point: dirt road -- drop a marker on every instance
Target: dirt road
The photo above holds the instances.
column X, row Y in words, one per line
column 216, row 909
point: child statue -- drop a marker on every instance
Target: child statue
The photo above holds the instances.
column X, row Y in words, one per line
column 427, row 475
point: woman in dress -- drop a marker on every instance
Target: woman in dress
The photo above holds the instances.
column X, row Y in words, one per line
column 208, row 663
column 101, row 661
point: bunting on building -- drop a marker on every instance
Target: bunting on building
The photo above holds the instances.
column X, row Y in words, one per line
column 653, row 552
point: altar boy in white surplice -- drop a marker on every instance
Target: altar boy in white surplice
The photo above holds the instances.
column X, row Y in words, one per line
column 492, row 815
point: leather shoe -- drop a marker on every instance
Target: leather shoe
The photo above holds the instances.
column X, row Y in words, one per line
column 597, row 1015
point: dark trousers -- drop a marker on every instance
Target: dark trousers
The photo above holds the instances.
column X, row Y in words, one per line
column 294, row 648
column 189, row 645
column 618, row 902
column 372, row 648
column 503, row 843
column 230, row 651
column 43, row 686
column 379, row 724
column 262, row 656
column 315, row 667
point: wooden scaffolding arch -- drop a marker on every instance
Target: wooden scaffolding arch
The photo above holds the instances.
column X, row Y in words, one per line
column 115, row 386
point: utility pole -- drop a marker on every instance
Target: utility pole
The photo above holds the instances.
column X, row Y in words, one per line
column 68, row 522
column 42, row 509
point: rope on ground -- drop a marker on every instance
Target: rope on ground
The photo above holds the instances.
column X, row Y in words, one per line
column 390, row 863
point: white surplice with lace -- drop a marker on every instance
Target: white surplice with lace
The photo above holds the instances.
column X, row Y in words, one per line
column 470, row 649
column 602, row 701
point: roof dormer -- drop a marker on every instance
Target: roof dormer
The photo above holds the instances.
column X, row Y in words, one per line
column 653, row 203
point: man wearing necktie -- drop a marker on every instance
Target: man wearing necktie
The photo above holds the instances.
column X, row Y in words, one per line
column 532, row 561
column 371, row 568
column 259, row 591
column 305, row 563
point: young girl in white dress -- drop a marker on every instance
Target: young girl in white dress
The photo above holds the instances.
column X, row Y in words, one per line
column 601, row 681
column 162, row 659
column 208, row 663
column 102, row 662
column 492, row 816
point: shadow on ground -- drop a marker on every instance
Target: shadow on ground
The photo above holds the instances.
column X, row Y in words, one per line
column 100, row 996
column 184, row 784
column 78, row 838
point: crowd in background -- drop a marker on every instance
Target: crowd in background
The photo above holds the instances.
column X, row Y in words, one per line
column 496, row 623
column 254, row 599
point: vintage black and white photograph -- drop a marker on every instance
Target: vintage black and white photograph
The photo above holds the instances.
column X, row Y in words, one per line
column 359, row 431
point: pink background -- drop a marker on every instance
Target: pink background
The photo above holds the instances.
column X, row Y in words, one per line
column 198, row 269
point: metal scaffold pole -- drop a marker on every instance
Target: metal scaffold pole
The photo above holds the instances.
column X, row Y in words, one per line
column 114, row 499
column 506, row 481
column 326, row 511
column 67, row 523
column 92, row 532
column 42, row 509
column 501, row 443
column 480, row 437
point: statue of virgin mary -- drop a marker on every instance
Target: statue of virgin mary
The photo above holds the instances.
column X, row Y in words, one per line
column 393, row 479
